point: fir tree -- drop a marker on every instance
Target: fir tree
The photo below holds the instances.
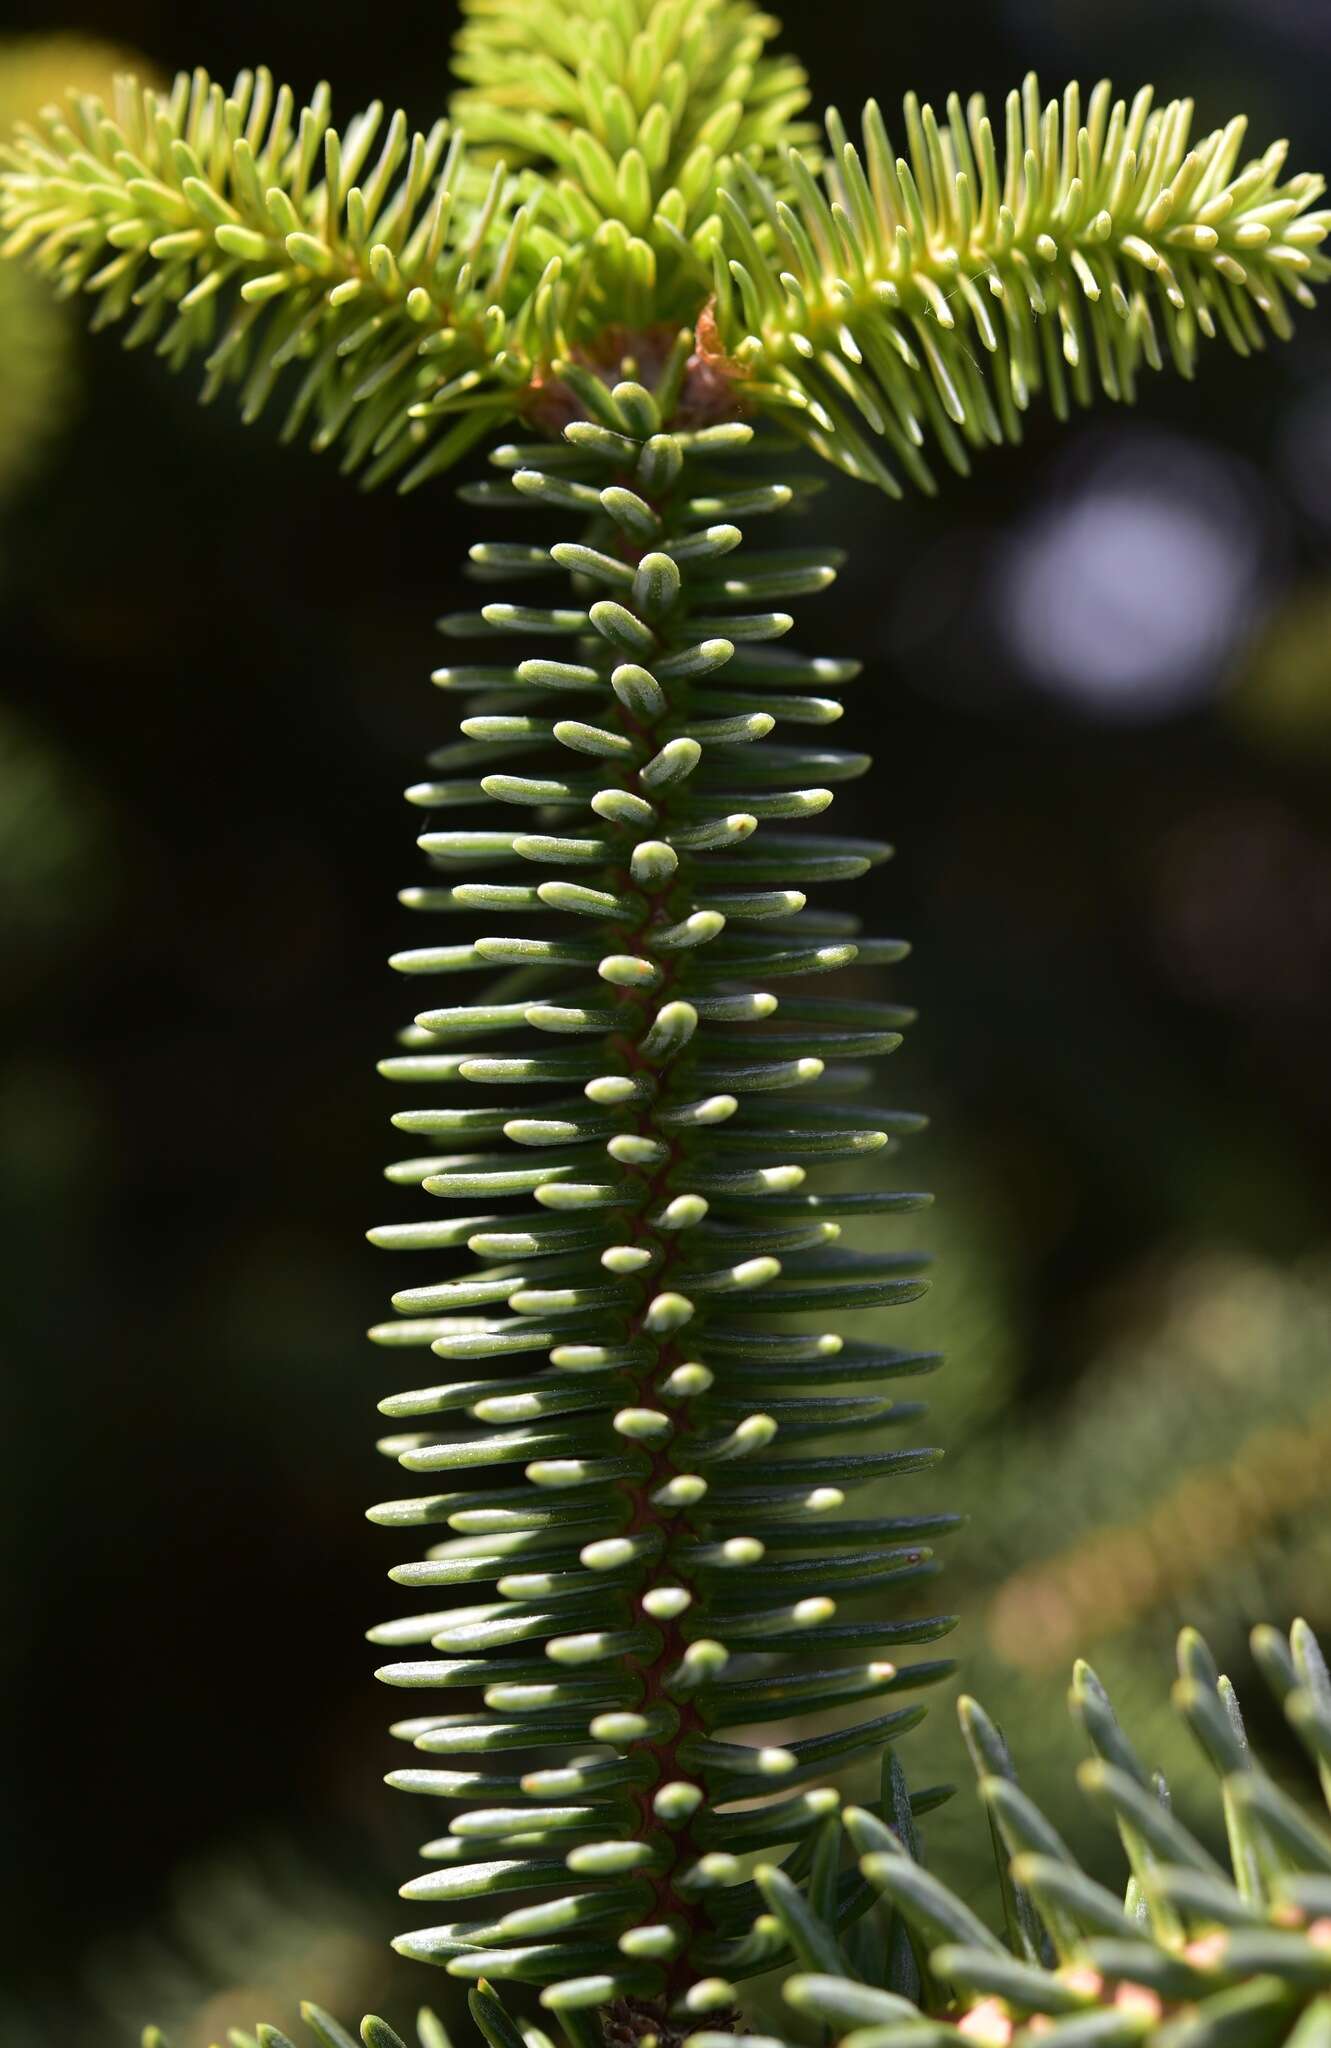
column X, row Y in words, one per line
column 637, row 1505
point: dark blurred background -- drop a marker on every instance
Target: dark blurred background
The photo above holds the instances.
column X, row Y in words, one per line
column 1100, row 703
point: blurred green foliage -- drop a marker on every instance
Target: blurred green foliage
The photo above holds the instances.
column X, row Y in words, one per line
column 1282, row 696
column 233, row 1937
column 39, row 381
column 1180, row 1475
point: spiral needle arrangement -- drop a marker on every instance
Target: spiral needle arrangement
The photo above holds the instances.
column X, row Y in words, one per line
column 658, row 1110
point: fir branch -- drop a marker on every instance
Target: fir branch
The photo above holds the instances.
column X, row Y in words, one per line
column 632, row 110
column 1193, row 1955
column 393, row 285
column 931, row 295
column 897, row 300
column 663, row 1564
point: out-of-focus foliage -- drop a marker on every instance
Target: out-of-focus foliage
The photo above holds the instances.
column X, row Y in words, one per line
column 1283, row 696
column 1188, row 1474
column 38, row 378
column 243, row 1936
column 1181, row 1474
column 56, row 831
column 36, row 381
column 238, row 1936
